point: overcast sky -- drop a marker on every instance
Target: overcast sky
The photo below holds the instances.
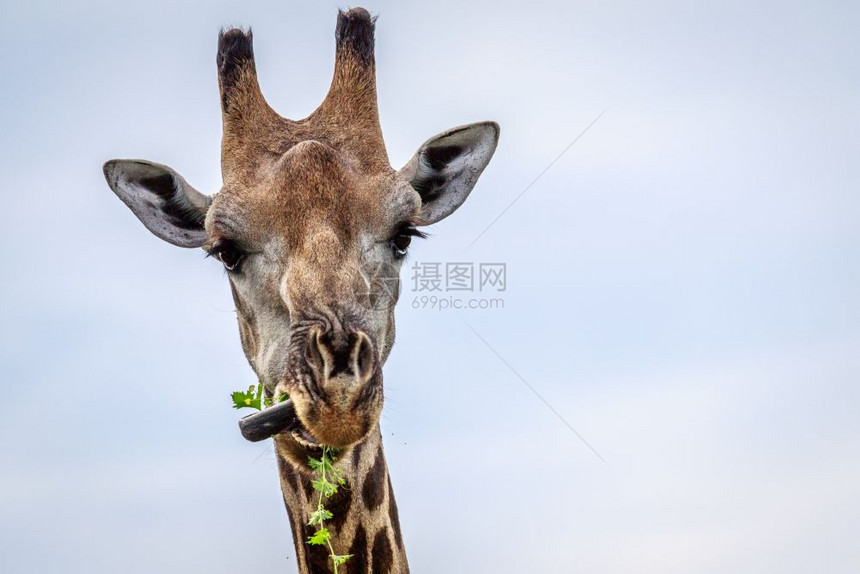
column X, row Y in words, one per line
column 683, row 288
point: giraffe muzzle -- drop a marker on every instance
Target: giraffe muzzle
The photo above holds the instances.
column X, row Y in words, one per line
column 342, row 400
column 344, row 391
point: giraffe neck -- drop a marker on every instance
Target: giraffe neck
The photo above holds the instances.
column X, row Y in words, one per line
column 365, row 522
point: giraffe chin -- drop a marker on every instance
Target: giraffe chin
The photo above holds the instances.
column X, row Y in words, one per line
column 298, row 444
column 336, row 410
column 322, row 424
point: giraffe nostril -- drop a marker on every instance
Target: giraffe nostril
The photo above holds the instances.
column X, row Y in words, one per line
column 317, row 352
column 332, row 354
column 363, row 357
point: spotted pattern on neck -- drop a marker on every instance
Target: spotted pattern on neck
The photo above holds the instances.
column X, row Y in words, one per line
column 365, row 521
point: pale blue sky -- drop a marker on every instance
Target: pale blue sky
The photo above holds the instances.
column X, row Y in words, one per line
column 683, row 288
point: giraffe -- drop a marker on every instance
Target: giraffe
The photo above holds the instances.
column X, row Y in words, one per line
column 309, row 217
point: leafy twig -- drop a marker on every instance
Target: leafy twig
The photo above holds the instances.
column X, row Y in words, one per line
column 328, row 480
column 326, row 484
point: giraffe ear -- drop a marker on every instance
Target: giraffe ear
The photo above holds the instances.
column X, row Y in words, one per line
column 161, row 199
column 446, row 167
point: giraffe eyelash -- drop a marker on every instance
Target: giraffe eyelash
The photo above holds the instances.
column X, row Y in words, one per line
column 412, row 232
column 410, row 228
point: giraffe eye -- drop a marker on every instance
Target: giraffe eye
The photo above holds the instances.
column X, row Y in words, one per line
column 229, row 255
column 231, row 258
column 402, row 239
column 401, row 243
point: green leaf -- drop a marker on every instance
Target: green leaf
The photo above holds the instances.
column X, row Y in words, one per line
column 340, row 558
column 238, row 401
column 252, row 398
column 319, row 538
column 271, row 402
column 321, row 467
column 319, row 516
column 323, row 486
column 242, row 400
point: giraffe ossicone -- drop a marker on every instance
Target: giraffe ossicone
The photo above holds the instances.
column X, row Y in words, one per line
column 312, row 224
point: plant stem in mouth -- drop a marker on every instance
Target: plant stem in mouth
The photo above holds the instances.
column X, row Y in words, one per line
column 326, row 489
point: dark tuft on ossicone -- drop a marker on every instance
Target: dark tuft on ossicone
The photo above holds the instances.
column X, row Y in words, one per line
column 235, row 53
column 354, row 33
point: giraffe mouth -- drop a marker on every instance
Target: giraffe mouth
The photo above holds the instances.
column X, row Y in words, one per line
column 281, row 418
column 304, row 438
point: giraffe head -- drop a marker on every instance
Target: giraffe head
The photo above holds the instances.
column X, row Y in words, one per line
column 311, row 224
